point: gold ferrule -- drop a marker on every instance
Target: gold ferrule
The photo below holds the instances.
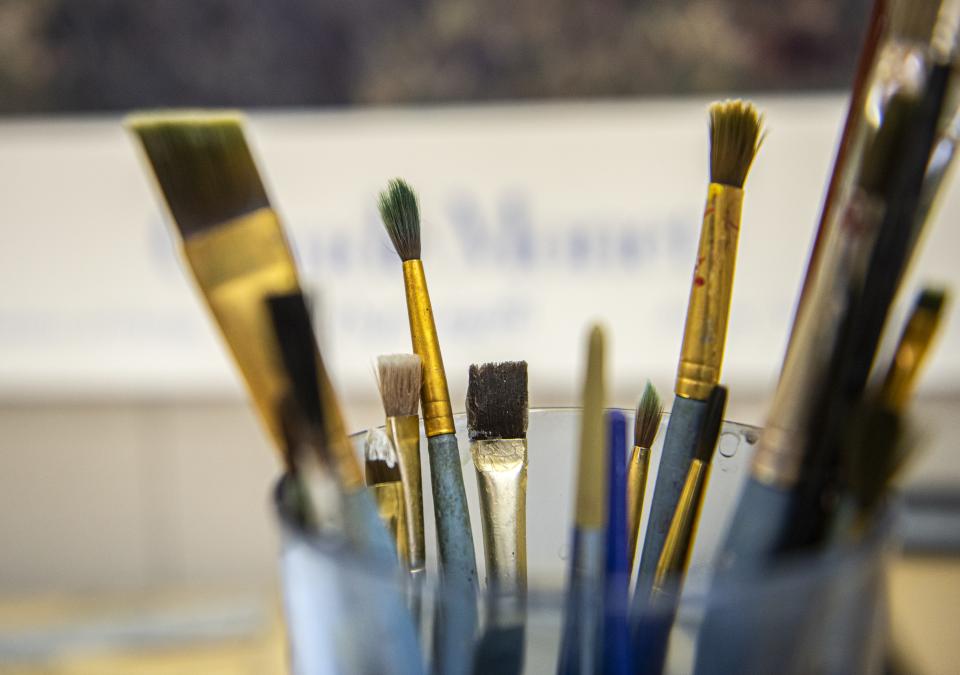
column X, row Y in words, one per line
column 434, row 396
column 675, row 557
column 236, row 265
column 404, row 433
column 501, row 467
column 901, row 380
column 705, row 332
column 636, row 487
column 389, row 499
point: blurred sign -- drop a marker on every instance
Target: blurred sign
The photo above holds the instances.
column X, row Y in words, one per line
column 537, row 219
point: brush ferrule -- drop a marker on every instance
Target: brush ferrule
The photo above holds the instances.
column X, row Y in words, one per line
column 236, row 265
column 675, row 557
column 705, row 332
column 637, row 473
column 501, row 467
column 434, row 396
column 901, row 380
column 404, row 433
column 389, row 499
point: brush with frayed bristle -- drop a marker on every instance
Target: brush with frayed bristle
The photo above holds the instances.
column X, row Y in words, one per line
column 399, row 377
column 735, row 137
column 497, row 400
column 203, row 166
column 401, row 216
column 647, row 421
column 382, row 464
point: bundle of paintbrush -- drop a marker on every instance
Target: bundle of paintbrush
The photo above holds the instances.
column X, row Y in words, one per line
column 826, row 460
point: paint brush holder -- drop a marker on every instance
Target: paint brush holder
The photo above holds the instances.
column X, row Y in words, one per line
column 819, row 613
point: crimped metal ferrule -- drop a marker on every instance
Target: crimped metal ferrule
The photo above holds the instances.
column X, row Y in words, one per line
column 434, row 395
column 705, row 332
column 404, row 433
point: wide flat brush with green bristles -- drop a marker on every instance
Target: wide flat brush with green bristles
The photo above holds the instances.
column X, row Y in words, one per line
column 458, row 565
column 735, row 137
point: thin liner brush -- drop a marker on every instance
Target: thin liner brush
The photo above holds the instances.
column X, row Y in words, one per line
column 399, row 378
column 616, row 625
column 735, row 137
column 231, row 237
column 579, row 651
column 651, row 649
column 497, row 423
column 458, row 564
column 382, row 468
column 646, row 423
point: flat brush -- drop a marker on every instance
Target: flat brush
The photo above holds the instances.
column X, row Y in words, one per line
column 497, row 424
column 735, row 137
column 231, row 237
column 646, row 423
column 616, row 625
column 457, row 622
column 579, row 649
column 382, row 469
column 399, row 377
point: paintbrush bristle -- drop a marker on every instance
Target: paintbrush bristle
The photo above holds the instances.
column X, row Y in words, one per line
column 647, row 421
column 401, row 216
column 382, row 465
column 932, row 300
column 712, row 421
column 399, row 377
column 735, row 137
column 203, row 167
column 497, row 400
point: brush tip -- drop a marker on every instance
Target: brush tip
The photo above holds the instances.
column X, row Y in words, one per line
column 736, row 132
column 382, row 465
column 399, row 377
column 400, row 212
column 932, row 299
column 647, row 420
column 712, row 422
column 203, row 166
column 497, row 400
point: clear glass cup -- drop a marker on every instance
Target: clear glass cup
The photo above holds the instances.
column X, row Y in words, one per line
column 821, row 613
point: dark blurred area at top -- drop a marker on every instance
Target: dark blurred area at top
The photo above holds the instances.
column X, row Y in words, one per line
column 89, row 55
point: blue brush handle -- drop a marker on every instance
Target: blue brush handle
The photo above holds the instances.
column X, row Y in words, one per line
column 679, row 446
column 730, row 629
column 653, row 632
column 616, row 630
column 579, row 653
column 456, row 620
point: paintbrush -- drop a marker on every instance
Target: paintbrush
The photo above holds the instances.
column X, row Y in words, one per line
column 645, row 426
column 650, row 649
column 579, row 649
column 616, row 625
column 398, row 378
column 382, row 468
column 497, row 424
column 735, row 137
column 232, row 239
column 457, row 610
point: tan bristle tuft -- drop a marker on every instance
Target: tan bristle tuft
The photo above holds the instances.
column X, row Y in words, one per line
column 399, row 377
column 647, row 421
column 735, row 137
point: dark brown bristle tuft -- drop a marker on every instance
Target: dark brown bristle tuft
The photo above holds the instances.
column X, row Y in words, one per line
column 735, row 138
column 382, row 464
column 203, row 167
column 647, row 421
column 497, row 400
column 400, row 212
column 399, row 377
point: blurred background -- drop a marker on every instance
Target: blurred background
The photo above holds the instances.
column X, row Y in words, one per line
column 560, row 152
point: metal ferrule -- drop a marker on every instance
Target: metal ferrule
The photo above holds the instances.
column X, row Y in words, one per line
column 675, row 557
column 434, row 396
column 902, row 379
column 236, row 265
column 389, row 499
column 637, row 473
column 501, row 467
column 705, row 332
column 778, row 458
column 404, row 433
